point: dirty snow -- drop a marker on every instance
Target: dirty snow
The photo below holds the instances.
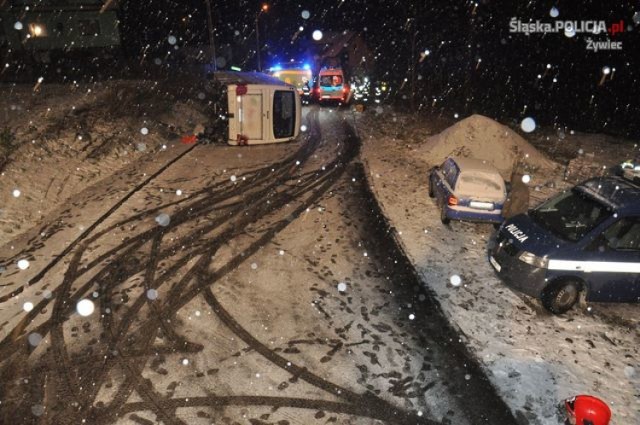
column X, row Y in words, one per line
column 80, row 134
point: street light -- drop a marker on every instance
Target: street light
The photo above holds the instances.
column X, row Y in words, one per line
column 264, row 8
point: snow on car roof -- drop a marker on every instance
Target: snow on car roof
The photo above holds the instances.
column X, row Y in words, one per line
column 473, row 164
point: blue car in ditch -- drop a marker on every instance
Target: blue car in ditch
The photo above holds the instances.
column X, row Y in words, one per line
column 468, row 189
column 584, row 240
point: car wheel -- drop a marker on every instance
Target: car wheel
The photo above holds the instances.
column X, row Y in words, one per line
column 443, row 215
column 431, row 193
column 560, row 296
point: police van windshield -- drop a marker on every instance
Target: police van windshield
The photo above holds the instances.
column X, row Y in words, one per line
column 570, row 215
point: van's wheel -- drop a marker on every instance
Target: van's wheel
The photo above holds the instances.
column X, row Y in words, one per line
column 431, row 193
column 560, row 296
column 443, row 215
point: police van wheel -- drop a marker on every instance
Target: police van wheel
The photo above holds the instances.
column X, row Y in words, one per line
column 560, row 296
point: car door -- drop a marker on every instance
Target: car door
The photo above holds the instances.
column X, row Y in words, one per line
column 613, row 263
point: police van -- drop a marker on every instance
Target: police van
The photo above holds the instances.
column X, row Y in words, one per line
column 584, row 240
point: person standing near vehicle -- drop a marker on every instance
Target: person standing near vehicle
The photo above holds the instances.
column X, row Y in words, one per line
column 587, row 410
column 518, row 197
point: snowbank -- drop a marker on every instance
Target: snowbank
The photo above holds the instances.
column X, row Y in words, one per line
column 483, row 138
column 68, row 138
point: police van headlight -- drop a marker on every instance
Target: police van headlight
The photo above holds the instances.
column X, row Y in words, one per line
column 534, row 260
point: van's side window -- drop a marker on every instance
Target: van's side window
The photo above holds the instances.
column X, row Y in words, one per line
column 624, row 235
column 284, row 114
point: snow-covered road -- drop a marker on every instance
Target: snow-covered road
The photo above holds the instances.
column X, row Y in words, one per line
column 248, row 285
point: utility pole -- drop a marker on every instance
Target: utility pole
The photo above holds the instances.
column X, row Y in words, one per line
column 264, row 8
column 212, row 42
column 413, row 70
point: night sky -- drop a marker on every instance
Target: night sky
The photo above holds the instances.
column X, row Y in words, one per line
column 475, row 64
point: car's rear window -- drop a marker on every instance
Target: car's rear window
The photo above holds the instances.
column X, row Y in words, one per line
column 480, row 184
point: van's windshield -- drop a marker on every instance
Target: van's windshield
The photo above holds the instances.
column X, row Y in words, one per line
column 570, row 215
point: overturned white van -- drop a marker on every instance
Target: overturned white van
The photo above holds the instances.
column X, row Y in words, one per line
column 260, row 108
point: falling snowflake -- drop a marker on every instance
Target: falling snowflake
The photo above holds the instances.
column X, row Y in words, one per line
column 23, row 264
column 528, row 125
column 28, row 306
column 163, row 219
column 141, row 147
column 34, row 339
column 281, row 252
column 303, row 128
column 297, row 162
column 317, row 35
column 144, row 131
column 342, row 287
column 179, row 192
column 526, row 179
column 18, row 26
column 412, row 316
column 554, row 12
column 455, row 280
column 37, row 409
column 254, row 266
column 305, row 14
column 467, row 377
column 172, row 40
column 569, row 30
column 185, row 362
column 152, row 294
column 16, row 193
column 606, row 70
column 85, row 307
column 233, row 178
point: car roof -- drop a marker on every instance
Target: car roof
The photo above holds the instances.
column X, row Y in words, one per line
column 621, row 194
column 473, row 164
